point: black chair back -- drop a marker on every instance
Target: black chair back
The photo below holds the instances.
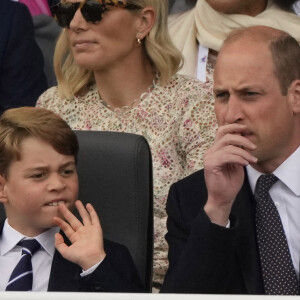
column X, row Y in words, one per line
column 115, row 175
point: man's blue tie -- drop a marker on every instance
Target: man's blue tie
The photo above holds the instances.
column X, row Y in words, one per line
column 21, row 277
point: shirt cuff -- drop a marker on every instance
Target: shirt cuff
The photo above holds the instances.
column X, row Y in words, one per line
column 91, row 269
column 227, row 225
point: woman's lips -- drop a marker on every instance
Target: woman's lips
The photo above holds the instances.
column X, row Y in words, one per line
column 82, row 44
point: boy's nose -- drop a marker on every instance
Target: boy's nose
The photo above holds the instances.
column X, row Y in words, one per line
column 56, row 183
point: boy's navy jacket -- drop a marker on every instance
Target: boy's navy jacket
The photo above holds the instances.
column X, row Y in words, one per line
column 22, row 78
column 116, row 273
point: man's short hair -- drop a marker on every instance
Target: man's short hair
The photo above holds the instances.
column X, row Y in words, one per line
column 284, row 48
column 20, row 123
column 286, row 58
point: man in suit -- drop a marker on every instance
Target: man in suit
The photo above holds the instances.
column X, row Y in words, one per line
column 22, row 79
column 38, row 188
column 214, row 231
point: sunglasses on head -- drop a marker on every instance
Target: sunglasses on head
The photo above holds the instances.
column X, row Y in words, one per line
column 91, row 10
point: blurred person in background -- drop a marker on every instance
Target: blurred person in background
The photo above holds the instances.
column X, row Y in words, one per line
column 289, row 5
column 22, row 78
column 177, row 6
column 199, row 33
column 46, row 33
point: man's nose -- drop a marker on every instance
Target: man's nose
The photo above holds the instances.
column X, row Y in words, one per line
column 234, row 112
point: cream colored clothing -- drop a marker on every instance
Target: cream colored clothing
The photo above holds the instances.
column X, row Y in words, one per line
column 179, row 123
column 207, row 27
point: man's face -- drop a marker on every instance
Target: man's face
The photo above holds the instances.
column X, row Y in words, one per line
column 248, row 92
column 36, row 184
column 245, row 7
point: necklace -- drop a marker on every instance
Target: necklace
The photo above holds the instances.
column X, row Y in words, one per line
column 125, row 109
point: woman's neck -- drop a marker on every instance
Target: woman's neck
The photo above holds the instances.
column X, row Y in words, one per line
column 120, row 86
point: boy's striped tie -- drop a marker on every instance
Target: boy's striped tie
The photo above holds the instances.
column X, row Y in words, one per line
column 21, row 277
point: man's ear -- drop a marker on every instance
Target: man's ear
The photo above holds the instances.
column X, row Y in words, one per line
column 294, row 94
column 3, row 196
column 146, row 22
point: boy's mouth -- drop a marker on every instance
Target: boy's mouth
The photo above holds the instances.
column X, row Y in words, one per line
column 55, row 203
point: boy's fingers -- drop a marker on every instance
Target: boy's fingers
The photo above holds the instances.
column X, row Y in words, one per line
column 93, row 214
column 85, row 216
column 73, row 221
column 60, row 244
column 64, row 226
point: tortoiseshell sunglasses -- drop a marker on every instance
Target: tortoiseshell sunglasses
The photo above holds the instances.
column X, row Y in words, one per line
column 91, row 10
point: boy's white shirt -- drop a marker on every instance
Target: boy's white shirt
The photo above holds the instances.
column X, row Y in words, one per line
column 10, row 254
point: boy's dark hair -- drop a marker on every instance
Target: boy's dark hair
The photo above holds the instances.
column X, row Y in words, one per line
column 18, row 124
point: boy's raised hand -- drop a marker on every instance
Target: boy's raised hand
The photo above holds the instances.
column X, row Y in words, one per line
column 86, row 236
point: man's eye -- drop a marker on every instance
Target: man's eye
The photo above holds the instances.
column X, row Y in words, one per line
column 221, row 95
column 251, row 94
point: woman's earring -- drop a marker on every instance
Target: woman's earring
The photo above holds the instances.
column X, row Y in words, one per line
column 139, row 42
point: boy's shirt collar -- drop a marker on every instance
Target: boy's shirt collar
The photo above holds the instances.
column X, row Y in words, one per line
column 10, row 238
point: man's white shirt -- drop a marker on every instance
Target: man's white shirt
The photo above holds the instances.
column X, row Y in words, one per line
column 286, row 195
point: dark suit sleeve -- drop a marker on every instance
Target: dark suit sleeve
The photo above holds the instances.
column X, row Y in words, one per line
column 22, row 78
column 200, row 252
column 116, row 273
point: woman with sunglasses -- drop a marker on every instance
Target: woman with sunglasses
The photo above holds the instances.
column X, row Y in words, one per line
column 116, row 70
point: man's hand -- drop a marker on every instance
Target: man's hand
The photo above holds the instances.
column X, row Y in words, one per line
column 86, row 236
column 223, row 170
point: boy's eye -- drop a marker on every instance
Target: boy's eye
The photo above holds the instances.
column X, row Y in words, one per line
column 68, row 172
column 37, row 175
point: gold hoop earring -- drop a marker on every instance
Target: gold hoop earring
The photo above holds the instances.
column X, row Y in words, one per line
column 139, row 42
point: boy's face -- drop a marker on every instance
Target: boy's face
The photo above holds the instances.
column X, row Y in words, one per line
column 36, row 184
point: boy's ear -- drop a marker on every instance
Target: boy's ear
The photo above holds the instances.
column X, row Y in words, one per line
column 146, row 22
column 294, row 91
column 3, row 196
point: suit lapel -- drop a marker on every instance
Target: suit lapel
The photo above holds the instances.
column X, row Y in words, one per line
column 64, row 275
column 247, row 252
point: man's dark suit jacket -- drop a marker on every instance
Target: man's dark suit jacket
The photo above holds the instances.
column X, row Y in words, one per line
column 116, row 273
column 22, row 78
column 205, row 257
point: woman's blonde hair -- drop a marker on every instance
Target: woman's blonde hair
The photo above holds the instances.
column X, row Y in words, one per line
column 164, row 56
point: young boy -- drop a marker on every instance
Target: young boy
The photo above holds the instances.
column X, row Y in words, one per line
column 38, row 188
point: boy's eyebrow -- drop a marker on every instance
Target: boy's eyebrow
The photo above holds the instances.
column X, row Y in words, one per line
column 67, row 164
